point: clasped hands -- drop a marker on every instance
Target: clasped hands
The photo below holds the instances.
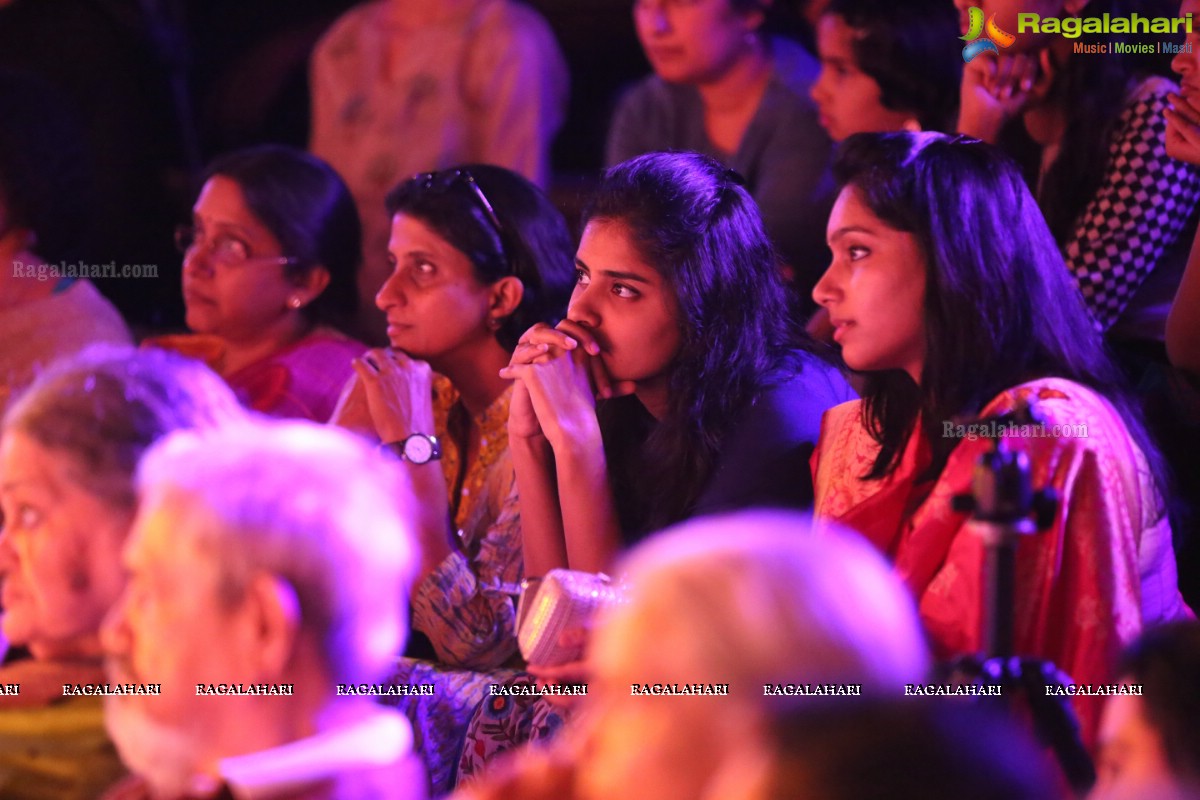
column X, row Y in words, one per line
column 558, row 375
column 390, row 396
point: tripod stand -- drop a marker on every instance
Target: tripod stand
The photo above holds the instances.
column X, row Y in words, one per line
column 1004, row 507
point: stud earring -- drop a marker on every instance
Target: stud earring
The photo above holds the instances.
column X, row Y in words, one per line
column 295, row 302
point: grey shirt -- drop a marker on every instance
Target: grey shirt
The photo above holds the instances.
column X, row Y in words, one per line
column 784, row 154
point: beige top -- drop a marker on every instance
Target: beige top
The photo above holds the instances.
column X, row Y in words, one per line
column 34, row 334
column 486, row 85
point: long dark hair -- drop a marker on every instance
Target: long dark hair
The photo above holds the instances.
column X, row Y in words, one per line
column 506, row 227
column 1001, row 308
column 306, row 206
column 691, row 220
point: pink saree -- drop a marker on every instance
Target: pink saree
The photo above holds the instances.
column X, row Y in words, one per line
column 303, row 380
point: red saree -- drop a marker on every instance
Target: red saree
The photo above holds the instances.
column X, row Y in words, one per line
column 1085, row 587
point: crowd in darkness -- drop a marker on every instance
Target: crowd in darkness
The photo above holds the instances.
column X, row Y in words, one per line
column 590, row 399
column 161, row 88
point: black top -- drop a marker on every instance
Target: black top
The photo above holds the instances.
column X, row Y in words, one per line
column 763, row 460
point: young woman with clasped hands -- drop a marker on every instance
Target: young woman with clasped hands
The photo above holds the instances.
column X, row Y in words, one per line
column 677, row 385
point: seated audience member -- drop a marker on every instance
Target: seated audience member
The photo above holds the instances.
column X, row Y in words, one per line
column 887, row 66
column 1150, row 743
column 744, row 600
column 947, row 292
column 269, row 280
column 406, row 86
column 44, row 313
column 1119, row 207
column 480, row 254
column 1183, row 143
column 1176, row 404
column 68, row 449
column 929, row 749
column 268, row 569
column 723, row 87
column 677, row 386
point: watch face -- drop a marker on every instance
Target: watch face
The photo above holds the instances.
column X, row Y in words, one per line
column 418, row 449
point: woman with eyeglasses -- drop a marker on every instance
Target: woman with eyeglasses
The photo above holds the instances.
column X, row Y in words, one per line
column 269, row 270
column 478, row 254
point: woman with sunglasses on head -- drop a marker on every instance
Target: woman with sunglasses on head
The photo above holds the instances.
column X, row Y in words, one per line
column 947, row 293
column 478, row 254
column 269, row 270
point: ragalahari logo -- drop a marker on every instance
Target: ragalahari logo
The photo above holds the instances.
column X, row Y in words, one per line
column 993, row 37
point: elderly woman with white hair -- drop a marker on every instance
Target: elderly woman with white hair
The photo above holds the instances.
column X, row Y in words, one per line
column 270, row 565
column 743, row 601
column 68, row 450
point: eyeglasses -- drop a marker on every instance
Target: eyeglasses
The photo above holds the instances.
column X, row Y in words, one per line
column 447, row 178
column 224, row 249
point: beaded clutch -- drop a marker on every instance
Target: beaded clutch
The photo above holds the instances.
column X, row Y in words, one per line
column 555, row 614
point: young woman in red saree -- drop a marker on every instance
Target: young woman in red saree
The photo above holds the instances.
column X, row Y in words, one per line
column 948, row 293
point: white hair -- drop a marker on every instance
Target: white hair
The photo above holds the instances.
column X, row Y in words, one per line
column 759, row 597
column 310, row 504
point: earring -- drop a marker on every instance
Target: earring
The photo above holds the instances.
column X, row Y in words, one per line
column 294, row 301
column 494, row 323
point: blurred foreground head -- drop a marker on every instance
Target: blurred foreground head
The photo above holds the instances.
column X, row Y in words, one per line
column 746, row 600
column 1150, row 744
column 267, row 553
column 872, row 749
column 69, row 447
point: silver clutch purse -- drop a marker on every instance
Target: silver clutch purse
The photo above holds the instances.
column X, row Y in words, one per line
column 555, row 614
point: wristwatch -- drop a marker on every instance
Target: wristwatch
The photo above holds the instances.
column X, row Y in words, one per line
column 419, row 448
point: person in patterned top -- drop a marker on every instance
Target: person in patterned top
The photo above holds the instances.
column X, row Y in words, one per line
column 1183, row 143
column 478, row 255
column 1118, row 205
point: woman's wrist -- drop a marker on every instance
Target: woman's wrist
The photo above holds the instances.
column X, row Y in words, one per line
column 578, row 433
column 583, row 461
column 982, row 125
column 536, row 447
